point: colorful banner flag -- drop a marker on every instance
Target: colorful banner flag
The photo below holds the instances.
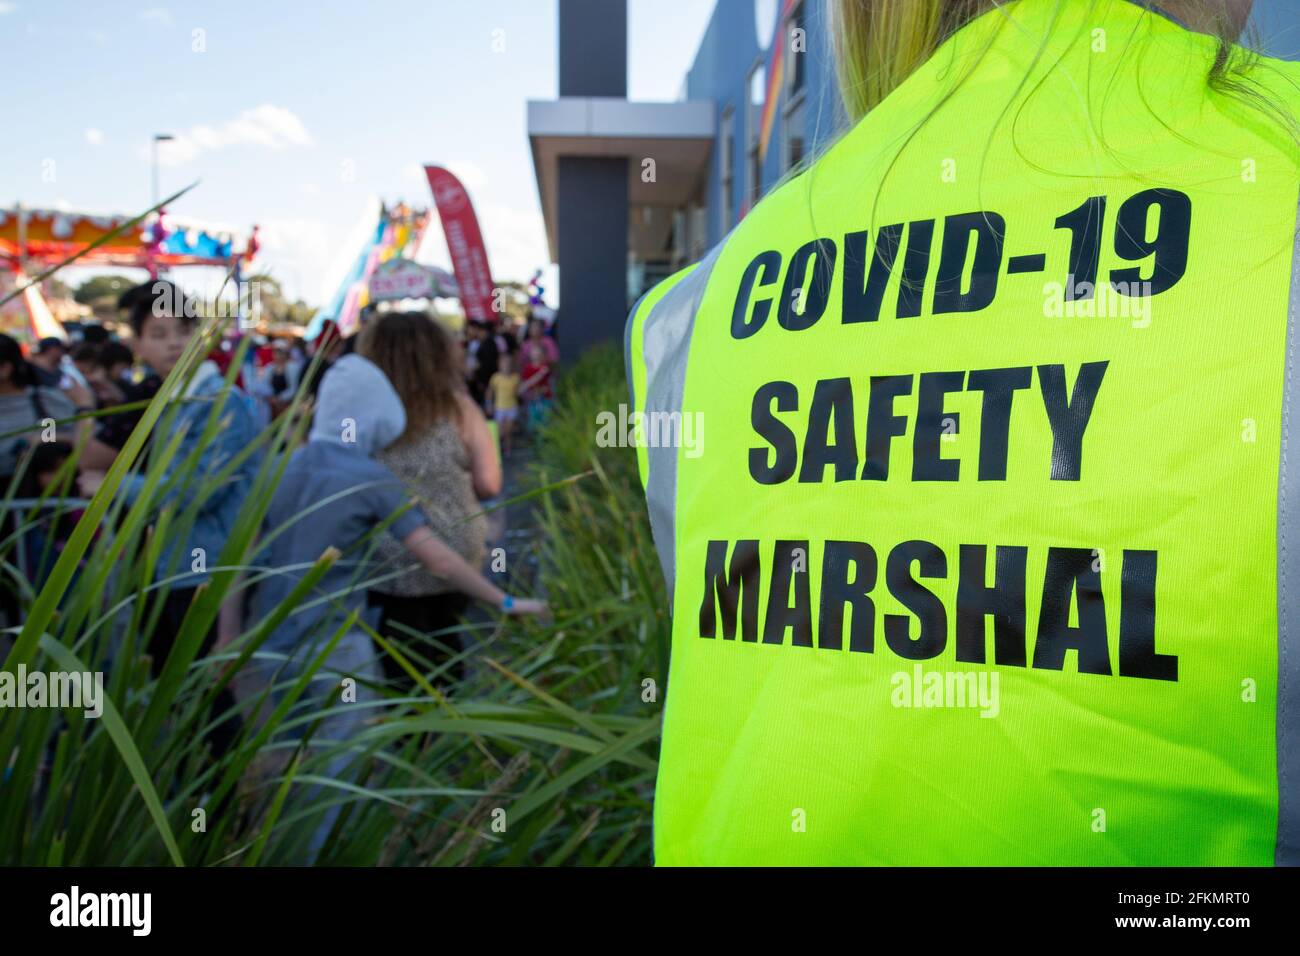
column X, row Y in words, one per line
column 465, row 243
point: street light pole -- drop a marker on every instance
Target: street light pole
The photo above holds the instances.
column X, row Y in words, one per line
column 153, row 164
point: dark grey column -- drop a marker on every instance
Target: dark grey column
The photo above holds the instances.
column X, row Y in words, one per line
column 593, row 228
column 593, row 48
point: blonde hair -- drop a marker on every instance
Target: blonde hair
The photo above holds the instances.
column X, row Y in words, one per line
column 879, row 43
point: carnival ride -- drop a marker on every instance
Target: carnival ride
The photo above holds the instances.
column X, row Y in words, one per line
column 396, row 234
column 383, row 267
column 32, row 240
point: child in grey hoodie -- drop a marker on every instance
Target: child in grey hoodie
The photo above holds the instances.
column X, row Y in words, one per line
column 333, row 494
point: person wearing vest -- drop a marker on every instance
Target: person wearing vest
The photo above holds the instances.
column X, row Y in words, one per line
column 990, row 552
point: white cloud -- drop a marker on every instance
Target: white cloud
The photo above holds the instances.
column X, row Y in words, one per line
column 298, row 252
column 7, row 8
column 515, row 240
column 470, row 175
column 268, row 125
column 95, row 137
column 157, row 15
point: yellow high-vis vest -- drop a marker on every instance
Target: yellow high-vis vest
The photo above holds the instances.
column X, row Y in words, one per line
column 972, row 456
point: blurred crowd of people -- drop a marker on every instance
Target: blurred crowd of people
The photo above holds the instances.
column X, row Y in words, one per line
column 398, row 456
column 510, row 371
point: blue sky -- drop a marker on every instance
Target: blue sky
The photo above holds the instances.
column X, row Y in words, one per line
column 292, row 114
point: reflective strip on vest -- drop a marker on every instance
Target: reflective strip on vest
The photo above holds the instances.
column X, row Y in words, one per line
column 658, row 342
column 1288, row 594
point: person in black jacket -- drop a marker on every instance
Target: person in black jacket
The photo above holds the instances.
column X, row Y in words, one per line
column 483, row 356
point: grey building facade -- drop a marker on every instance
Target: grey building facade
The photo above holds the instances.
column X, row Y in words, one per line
column 633, row 191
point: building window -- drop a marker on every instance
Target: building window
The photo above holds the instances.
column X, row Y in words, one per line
column 696, row 230
column 793, row 129
column 754, row 165
column 727, row 157
column 794, row 125
column 796, row 51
